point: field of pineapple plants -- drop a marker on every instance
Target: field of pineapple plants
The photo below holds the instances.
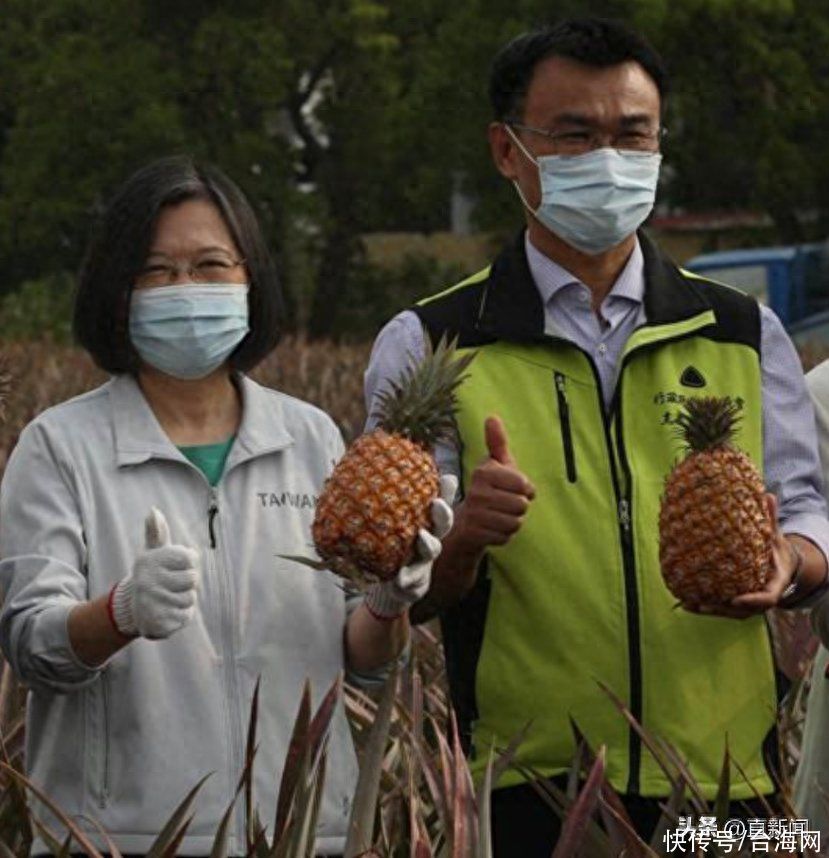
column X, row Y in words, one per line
column 415, row 797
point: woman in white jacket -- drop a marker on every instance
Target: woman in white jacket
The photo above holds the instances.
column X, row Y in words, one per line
column 812, row 780
column 141, row 527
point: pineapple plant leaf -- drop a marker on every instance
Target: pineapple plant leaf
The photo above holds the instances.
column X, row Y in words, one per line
column 177, row 825
column 71, row 826
column 575, row 825
column 363, row 809
column 724, row 786
column 715, row 536
column 670, row 815
column 379, row 494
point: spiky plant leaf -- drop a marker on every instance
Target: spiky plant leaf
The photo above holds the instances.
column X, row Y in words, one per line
column 768, row 810
column 647, row 740
column 109, row 843
column 64, row 851
column 421, row 404
column 45, row 834
column 721, row 800
column 70, row 825
column 575, row 825
column 464, row 833
column 293, row 763
column 361, row 821
column 220, row 841
column 485, row 809
column 616, row 819
column 670, row 815
column 506, row 757
column 178, row 823
column 171, row 849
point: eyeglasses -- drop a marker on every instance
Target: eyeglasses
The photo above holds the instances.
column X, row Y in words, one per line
column 210, row 269
column 580, row 142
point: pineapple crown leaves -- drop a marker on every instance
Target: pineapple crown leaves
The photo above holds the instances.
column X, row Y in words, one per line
column 707, row 422
column 421, row 404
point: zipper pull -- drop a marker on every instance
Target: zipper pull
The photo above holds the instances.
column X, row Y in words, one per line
column 560, row 383
column 212, row 512
column 624, row 515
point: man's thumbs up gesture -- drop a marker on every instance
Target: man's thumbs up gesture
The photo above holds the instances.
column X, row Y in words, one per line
column 497, row 497
column 159, row 597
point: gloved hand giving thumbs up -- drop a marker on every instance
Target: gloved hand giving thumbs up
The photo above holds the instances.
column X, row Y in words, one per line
column 497, row 497
column 159, row 596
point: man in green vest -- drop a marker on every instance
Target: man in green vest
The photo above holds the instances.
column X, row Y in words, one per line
column 588, row 339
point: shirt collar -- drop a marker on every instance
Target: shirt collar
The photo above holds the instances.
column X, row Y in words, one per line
column 550, row 277
column 139, row 436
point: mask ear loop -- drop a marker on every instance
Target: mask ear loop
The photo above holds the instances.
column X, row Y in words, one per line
column 533, row 161
column 519, row 144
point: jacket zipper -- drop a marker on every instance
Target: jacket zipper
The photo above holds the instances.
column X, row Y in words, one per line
column 566, row 430
column 634, row 640
column 629, row 565
column 623, row 517
column 103, row 799
column 212, row 511
column 229, row 659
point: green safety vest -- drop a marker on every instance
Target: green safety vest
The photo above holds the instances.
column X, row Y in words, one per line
column 576, row 599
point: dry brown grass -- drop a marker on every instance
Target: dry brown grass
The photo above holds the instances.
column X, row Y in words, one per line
column 327, row 374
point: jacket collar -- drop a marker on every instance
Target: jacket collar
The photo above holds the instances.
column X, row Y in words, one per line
column 139, row 436
column 511, row 306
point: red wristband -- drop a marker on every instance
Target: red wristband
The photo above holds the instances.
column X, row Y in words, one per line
column 111, row 614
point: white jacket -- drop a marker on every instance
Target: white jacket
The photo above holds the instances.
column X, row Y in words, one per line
column 812, row 779
column 125, row 743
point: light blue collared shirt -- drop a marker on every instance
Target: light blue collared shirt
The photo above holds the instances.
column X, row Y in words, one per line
column 790, row 452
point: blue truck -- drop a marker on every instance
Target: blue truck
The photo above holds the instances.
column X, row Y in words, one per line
column 792, row 280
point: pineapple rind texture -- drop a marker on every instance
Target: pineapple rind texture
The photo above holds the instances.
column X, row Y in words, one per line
column 380, row 493
column 372, row 506
column 715, row 534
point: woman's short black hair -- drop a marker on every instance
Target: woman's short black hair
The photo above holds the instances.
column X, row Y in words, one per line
column 599, row 42
column 118, row 251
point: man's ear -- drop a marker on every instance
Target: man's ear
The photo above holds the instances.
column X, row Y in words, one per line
column 503, row 149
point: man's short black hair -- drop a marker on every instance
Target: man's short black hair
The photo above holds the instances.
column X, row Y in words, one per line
column 118, row 251
column 596, row 42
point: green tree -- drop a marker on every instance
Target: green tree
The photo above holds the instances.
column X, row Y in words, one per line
column 342, row 117
column 89, row 98
column 749, row 114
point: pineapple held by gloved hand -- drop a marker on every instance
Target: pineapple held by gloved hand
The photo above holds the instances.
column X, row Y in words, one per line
column 380, row 494
column 715, row 531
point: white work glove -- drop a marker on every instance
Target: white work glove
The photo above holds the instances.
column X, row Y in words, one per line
column 159, row 597
column 391, row 599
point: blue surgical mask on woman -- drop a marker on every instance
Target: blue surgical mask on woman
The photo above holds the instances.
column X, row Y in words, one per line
column 596, row 200
column 188, row 331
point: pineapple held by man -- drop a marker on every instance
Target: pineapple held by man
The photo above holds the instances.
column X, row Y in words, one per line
column 715, row 536
column 379, row 494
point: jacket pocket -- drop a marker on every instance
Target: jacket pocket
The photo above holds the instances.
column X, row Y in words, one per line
column 566, row 429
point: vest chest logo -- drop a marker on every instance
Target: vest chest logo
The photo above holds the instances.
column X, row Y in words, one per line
column 666, row 399
column 292, row 500
column 692, row 377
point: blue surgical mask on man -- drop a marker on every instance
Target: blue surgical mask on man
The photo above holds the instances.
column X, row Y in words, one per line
column 596, row 200
column 187, row 331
